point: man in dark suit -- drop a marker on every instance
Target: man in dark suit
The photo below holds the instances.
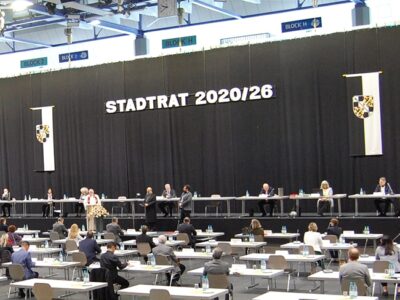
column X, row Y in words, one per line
column 115, row 229
column 6, row 206
column 164, row 250
column 112, row 263
column 267, row 191
column 3, row 225
column 90, row 247
column 188, row 228
column 145, row 239
column 167, row 194
column 59, row 227
column 150, row 208
column 23, row 257
column 384, row 188
column 185, row 203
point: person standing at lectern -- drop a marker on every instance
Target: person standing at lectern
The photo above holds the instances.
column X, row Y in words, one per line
column 384, row 188
column 266, row 191
column 150, row 208
column 6, row 196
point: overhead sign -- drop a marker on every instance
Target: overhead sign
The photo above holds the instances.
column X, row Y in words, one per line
column 34, row 62
column 66, row 57
column 302, row 24
column 179, row 42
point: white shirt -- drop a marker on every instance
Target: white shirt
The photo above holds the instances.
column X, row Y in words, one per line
column 313, row 239
column 94, row 200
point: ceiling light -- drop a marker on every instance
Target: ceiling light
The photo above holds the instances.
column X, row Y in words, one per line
column 95, row 22
column 19, row 5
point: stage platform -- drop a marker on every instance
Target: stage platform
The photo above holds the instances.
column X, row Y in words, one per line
column 231, row 226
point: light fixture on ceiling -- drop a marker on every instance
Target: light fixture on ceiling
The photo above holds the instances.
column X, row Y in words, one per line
column 2, row 22
column 95, row 23
column 20, row 5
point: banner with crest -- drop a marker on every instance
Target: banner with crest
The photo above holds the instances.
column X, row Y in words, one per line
column 363, row 96
column 43, row 144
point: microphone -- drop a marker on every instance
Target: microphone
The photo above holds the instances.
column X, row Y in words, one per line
column 390, row 189
column 297, row 237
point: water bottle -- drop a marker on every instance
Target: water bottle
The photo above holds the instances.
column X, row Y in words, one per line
column 211, row 229
column 204, row 283
column 122, row 247
column 25, row 198
column 263, row 265
column 247, row 193
column 152, row 259
column 102, row 196
column 251, row 238
column 37, row 235
column 208, row 248
column 284, row 230
column 99, row 236
column 61, row 257
column 361, row 191
column 341, row 239
column 353, row 293
column 301, row 193
column 305, row 250
column 366, row 229
column 29, row 197
column 83, row 227
column 65, row 196
column 391, row 269
column 85, row 276
column 46, row 244
column 27, row 227
column 195, row 194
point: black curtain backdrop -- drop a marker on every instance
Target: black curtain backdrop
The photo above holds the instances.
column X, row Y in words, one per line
column 293, row 141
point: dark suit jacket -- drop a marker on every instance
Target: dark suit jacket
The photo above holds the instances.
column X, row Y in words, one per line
column 144, row 238
column 216, row 266
column 388, row 189
column 116, row 230
column 172, row 193
column 334, row 230
column 186, row 201
column 189, row 230
column 4, row 227
column 111, row 262
column 90, row 248
column 61, row 230
column 151, row 210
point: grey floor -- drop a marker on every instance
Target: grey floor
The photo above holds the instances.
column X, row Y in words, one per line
column 240, row 284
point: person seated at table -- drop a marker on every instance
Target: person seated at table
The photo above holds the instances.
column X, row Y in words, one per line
column 256, row 228
column 46, row 207
column 3, row 225
column 4, row 247
column 217, row 267
column 384, row 188
column 14, row 239
column 79, row 206
column 60, row 228
column 313, row 238
column 167, row 194
column 188, row 228
column 353, row 269
column 164, row 250
column 6, row 196
column 23, row 257
column 266, row 191
column 386, row 251
column 325, row 203
column 334, row 229
column 111, row 262
column 90, row 247
column 115, row 229
column 144, row 238
column 73, row 234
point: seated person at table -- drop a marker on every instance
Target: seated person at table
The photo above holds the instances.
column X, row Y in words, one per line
column 14, row 239
column 164, row 250
column 353, row 269
column 46, row 207
column 314, row 239
column 334, row 229
column 115, row 229
column 73, row 234
column 217, row 267
column 384, row 188
column 3, row 225
column 144, row 238
column 111, row 262
column 90, row 247
column 266, row 191
column 79, row 206
column 386, row 251
column 6, row 196
column 167, row 194
column 23, row 257
column 60, row 228
column 256, row 228
column 188, row 228
column 325, row 203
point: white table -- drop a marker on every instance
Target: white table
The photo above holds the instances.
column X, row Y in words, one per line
column 325, row 246
column 338, row 197
column 40, row 252
column 273, row 235
column 193, row 255
column 356, row 197
column 64, row 285
column 214, row 199
column 171, row 243
column 22, row 231
column 100, row 242
column 249, row 198
column 34, row 240
column 362, row 236
column 247, row 245
column 175, row 292
column 305, row 296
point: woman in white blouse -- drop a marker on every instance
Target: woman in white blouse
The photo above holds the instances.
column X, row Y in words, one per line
column 325, row 202
column 314, row 239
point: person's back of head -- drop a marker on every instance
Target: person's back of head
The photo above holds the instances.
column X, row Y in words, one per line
column 114, row 220
column 144, row 229
column 353, row 254
column 60, row 220
column 186, row 220
column 162, row 239
column 312, row 227
column 12, row 228
column 89, row 235
column 217, row 253
column 4, row 240
column 334, row 222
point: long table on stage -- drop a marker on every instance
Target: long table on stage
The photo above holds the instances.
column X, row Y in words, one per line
column 356, row 197
column 337, row 197
column 261, row 197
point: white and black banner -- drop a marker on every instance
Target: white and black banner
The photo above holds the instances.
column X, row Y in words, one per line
column 365, row 133
column 43, row 145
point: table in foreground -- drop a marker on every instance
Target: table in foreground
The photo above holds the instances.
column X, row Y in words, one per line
column 348, row 235
column 52, row 264
column 305, row 296
column 289, row 257
column 175, row 292
column 63, row 285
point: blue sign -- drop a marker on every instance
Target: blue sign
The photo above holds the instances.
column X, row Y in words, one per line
column 302, row 24
column 179, row 42
column 34, row 62
column 66, row 57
